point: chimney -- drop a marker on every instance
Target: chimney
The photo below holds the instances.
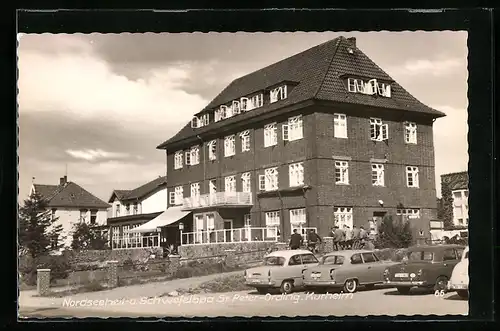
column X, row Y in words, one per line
column 63, row 180
column 352, row 41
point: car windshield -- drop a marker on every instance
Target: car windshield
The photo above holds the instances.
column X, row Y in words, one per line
column 333, row 259
column 274, row 260
column 420, row 256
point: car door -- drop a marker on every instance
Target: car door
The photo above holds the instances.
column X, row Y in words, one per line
column 308, row 261
column 450, row 259
column 357, row 268
column 294, row 269
column 371, row 270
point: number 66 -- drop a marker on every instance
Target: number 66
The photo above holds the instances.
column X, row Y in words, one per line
column 439, row 293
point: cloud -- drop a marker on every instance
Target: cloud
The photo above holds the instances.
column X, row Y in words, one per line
column 95, row 154
column 85, row 86
column 437, row 68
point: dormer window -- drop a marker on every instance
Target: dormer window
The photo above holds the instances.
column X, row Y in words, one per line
column 236, row 107
column 278, row 93
column 198, row 122
column 221, row 113
column 245, row 104
column 370, row 87
column 256, row 101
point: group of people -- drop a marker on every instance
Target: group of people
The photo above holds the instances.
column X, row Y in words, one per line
column 343, row 238
column 347, row 238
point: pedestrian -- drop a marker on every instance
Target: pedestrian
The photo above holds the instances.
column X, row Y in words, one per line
column 342, row 240
column 363, row 235
column 295, row 240
column 338, row 238
column 313, row 239
column 348, row 237
column 332, row 235
column 355, row 237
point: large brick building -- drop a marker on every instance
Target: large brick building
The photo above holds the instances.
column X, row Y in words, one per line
column 323, row 137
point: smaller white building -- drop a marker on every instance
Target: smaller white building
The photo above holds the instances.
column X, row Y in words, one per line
column 71, row 203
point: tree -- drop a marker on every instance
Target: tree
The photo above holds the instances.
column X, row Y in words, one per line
column 394, row 233
column 38, row 232
column 86, row 236
column 445, row 209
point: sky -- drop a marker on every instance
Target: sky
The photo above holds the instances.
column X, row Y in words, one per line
column 95, row 106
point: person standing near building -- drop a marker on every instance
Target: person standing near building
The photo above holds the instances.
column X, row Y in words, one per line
column 363, row 235
column 332, row 235
column 313, row 239
column 295, row 240
column 348, row 237
column 337, row 239
column 355, row 236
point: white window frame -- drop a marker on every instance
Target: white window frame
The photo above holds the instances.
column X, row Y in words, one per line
column 199, row 227
column 410, row 132
column 247, row 220
column 245, row 140
column 270, row 134
column 273, row 222
column 342, row 172
column 117, row 210
column 236, row 107
column 212, row 186
column 351, row 85
column 195, row 155
column 296, row 174
column 229, row 145
column 179, row 195
column 384, row 90
column 294, row 130
column 245, row 104
column 178, row 158
column 195, row 190
column 277, row 94
column 228, row 112
column 195, row 122
column 412, row 173
column 115, row 236
column 210, row 222
column 246, row 182
column 297, row 217
column 269, row 181
column 378, row 174
column 378, row 130
column 410, row 213
column 343, row 216
column 463, row 204
column 212, row 150
column 230, row 184
column 339, row 125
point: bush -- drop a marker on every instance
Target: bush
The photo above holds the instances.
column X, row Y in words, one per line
column 128, row 264
column 58, row 265
column 394, row 233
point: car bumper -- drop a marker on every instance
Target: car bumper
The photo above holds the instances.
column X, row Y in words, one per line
column 259, row 283
column 457, row 286
column 319, row 283
column 410, row 283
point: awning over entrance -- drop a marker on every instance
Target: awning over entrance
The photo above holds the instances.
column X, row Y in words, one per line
column 171, row 215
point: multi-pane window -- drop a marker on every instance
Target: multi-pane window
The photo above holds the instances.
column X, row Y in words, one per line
column 212, row 186
column 340, row 125
column 175, row 197
column 409, row 212
column 343, row 216
column 246, row 182
column 126, row 236
column 298, row 216
column 270, row 135
column 199, row 227
column 294, row 129
column 378, row 175
column 93, row 216
column 277, row 94
column 236, row 107
column 460, row 207
column 256, row 101
column 178, row 160
column 370, row 87
column 210, row 222
column 410, row 132
column 378, row 130
column 245, row 104
column 198, row 122
column 269, row 181
column 212, row 150
column 341, row 172
column 115, row 230
column 272, row 223
column 247, row 220
column 228, row 112
column 245, row 140
column 195, row 189
column 229, row 146
column 296, row 174
column 193, row 156
column 230, row 184
column 412, row 176
column 220, row 113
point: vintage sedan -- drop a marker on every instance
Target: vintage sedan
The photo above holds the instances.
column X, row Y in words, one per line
column 459, row 280
column 347, row 269
column 428, row 266
column 281, row 270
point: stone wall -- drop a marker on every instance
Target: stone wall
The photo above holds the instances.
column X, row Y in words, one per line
column 120, row 255
column 197, row 251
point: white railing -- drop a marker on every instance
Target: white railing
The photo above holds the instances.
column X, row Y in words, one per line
column 130, row 242
column 218, row 199
column 246, row 234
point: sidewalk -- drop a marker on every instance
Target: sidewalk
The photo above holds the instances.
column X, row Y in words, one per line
column 28, row 299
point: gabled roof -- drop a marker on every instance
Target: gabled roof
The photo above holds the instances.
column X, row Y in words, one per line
column 319, row 75
column 69, row 195
column 140, row 192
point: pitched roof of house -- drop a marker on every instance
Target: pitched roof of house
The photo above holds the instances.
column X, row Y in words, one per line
column 69, row 195
column 456, row 180
column 140, row 192
column 318, row 74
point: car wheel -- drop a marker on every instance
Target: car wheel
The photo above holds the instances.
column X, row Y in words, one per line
column 464, row 294
column 351, row 285
column 369, row 287
column 441, row 284
column 262, row 290
column 286, row 287
column 404, row 290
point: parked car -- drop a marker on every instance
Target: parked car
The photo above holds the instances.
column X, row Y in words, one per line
column 281, row 270
column 428, row 266
column 459, row 280
column 348, row 269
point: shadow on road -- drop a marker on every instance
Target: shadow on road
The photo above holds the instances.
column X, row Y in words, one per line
column 414, row 292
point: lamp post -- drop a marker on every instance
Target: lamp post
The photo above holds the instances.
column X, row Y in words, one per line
column 181, row 227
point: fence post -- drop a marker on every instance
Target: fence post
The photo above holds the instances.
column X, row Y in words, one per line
column 327, row 244
column 230, row 258
column 43, row 281
column 112, row 274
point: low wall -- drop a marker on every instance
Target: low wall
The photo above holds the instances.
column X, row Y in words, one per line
column 83, row 277
column 197, row 251
column 92, row 256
